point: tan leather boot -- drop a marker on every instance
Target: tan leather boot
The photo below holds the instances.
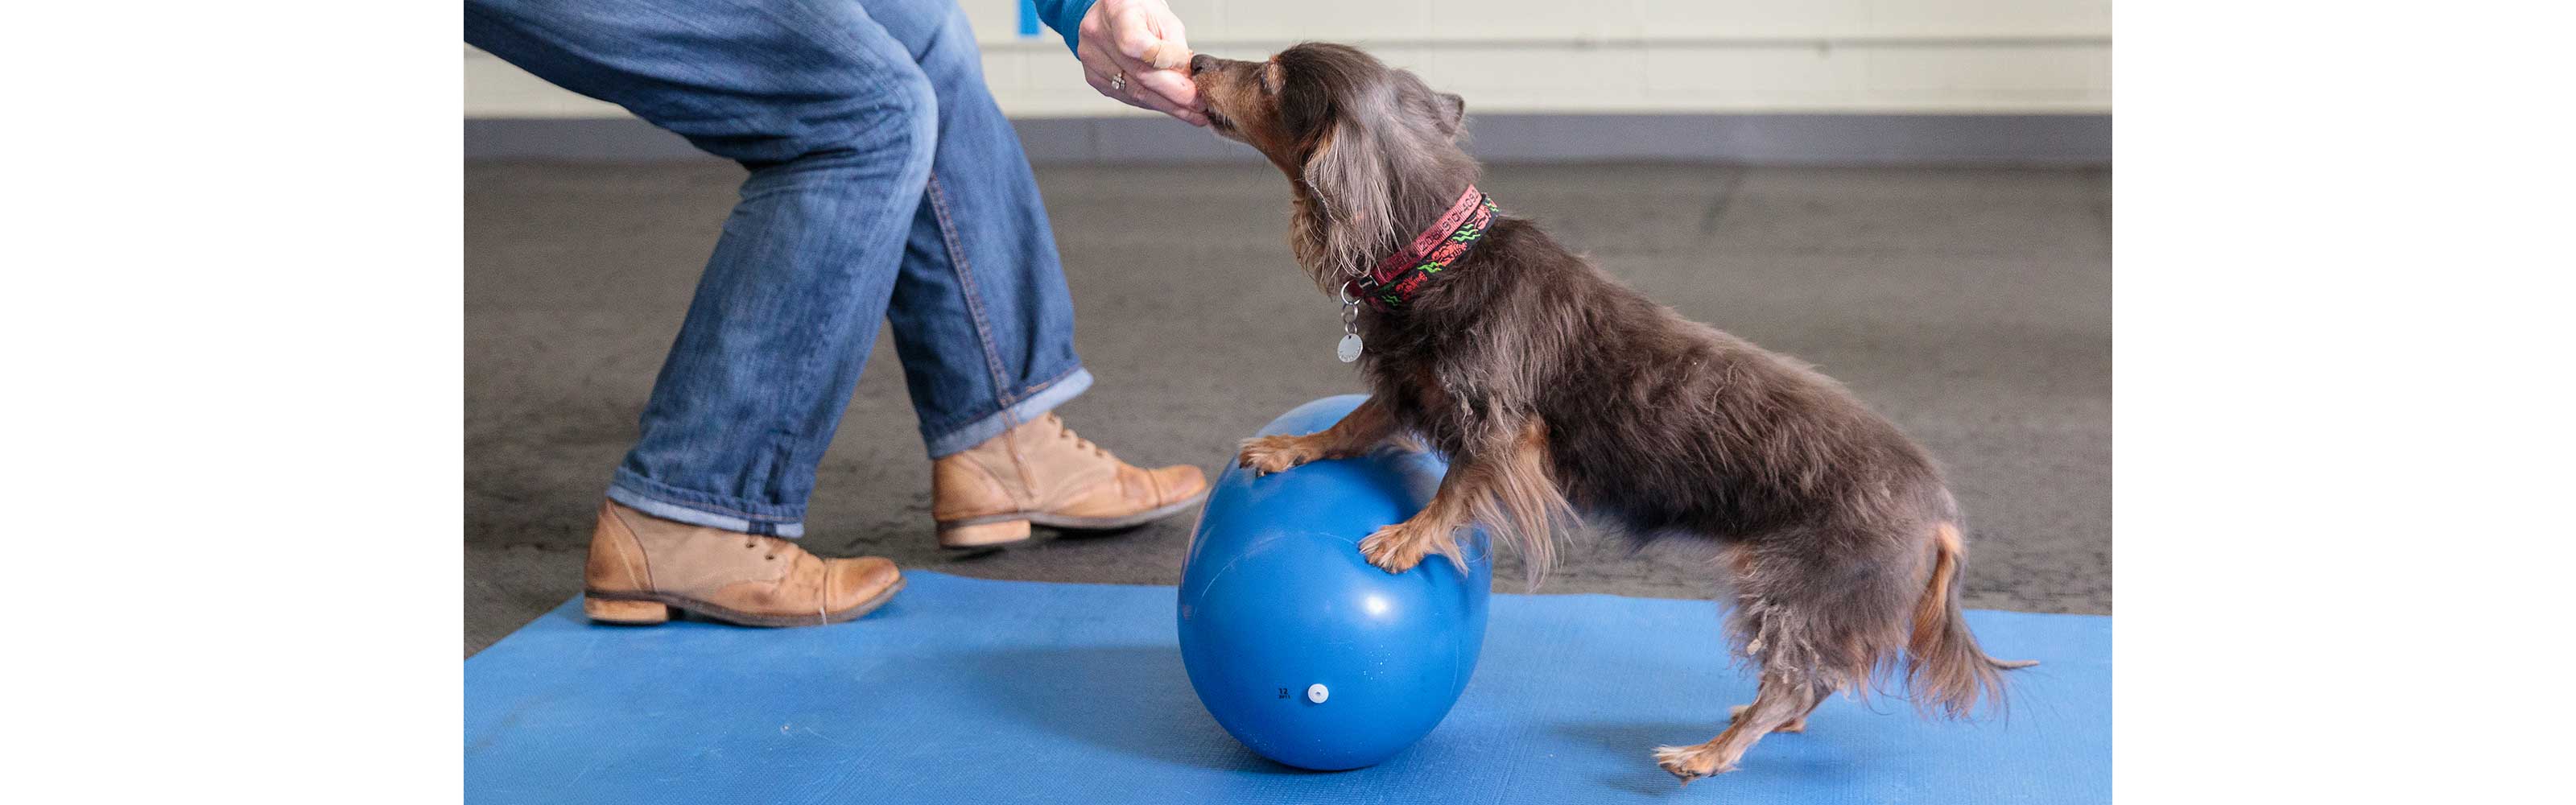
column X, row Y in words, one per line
column 641, row 566
column 1040, row 472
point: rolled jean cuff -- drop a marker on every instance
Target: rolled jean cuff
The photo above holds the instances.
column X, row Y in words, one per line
column 629, row 491
column 1047, row 397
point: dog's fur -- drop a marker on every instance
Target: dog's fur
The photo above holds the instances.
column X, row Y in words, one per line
column 1553, row 388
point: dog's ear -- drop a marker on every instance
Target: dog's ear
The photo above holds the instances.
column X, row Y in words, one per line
column 1448, row 111
column 1347, row 172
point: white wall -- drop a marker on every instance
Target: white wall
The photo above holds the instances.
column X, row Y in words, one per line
column 1577, row 56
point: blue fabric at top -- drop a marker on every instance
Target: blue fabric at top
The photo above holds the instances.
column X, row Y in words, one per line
column 1065, row 16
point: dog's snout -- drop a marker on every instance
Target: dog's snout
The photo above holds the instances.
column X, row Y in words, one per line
column 1201, row 62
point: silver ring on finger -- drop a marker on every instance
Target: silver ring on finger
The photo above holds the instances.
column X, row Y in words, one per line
column 1119, row 82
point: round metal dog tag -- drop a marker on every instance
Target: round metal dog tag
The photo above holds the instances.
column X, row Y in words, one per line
column 1350, row 348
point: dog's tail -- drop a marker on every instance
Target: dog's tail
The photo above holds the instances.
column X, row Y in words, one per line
column 1944, row 668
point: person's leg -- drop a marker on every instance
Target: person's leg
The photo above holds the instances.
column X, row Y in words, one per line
column 984, row 324
column 981, row 316
column 837, row 124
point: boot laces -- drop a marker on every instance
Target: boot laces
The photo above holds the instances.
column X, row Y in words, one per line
column 1064, row 431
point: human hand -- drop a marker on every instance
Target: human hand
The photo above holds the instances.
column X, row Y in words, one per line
column 1136, row 53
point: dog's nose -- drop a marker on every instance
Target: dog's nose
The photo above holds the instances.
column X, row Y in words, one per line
column 1201, row 62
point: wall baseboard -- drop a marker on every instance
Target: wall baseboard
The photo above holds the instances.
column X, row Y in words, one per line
column 1761, row 139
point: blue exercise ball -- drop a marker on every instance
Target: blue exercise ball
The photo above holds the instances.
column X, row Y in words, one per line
column 1298, row 646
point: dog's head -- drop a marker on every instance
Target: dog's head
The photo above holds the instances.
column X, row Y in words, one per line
column 1374, row 151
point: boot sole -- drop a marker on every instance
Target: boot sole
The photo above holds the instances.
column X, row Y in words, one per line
column 650, row 608
column 994, row 530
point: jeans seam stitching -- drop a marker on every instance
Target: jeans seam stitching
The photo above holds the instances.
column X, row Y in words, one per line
column 958, row 265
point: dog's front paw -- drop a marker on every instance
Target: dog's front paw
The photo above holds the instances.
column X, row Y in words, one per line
column 1395, row 549
column 1268, row 454
column 1688, row 763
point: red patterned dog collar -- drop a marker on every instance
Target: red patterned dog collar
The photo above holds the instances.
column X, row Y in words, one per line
column 1394, row 280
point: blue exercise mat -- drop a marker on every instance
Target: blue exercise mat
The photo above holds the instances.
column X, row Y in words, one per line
column 971, row 691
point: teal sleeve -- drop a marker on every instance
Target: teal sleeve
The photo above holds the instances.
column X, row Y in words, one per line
column 1065, row 16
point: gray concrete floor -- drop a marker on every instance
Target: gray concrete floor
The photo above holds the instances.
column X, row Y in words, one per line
column 1972, row 306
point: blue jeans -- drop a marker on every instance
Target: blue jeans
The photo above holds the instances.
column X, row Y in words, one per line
column 885, row 186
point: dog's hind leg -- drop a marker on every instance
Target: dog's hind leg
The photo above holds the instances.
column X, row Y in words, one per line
column 1798, row 724
column 1780, row 702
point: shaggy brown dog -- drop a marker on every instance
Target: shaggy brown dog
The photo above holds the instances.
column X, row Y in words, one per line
column 1547, row 382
